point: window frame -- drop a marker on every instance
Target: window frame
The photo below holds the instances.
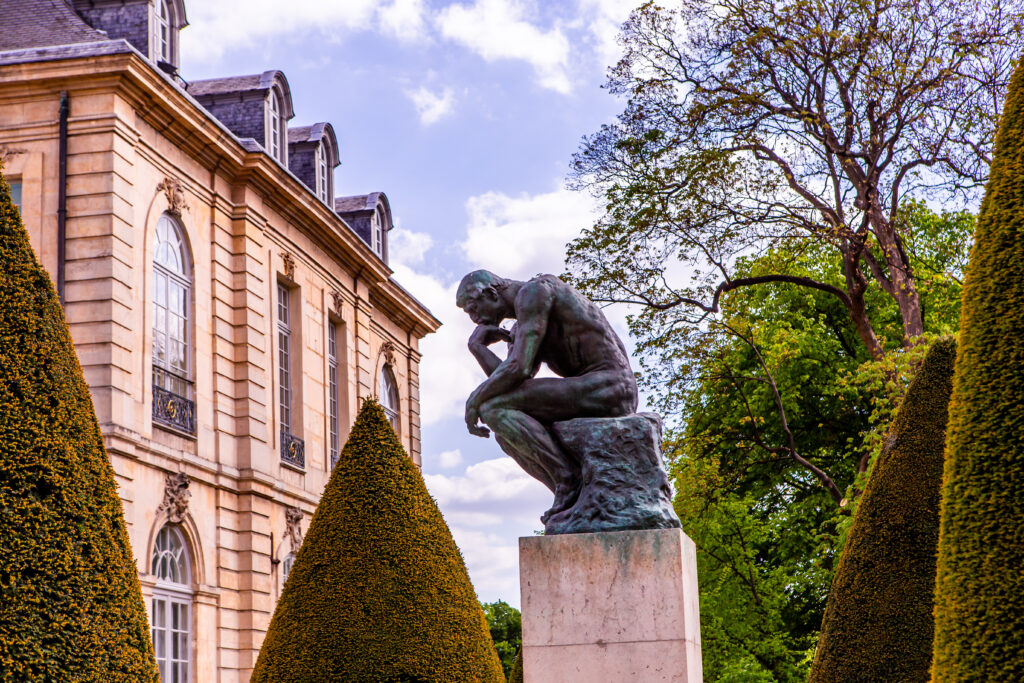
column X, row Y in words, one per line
column 169, row 596
column 162, row 32
column 322, row 182
column 273, row 124
column 377, row 232
column 17, row 190
column 389, row 389
column 333, row 395
column 285, row 403
column 173, row 385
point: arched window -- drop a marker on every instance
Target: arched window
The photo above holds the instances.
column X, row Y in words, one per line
column 389, row 395
column 161, row 32
column 377, row 238
column 286, row 566
column 172, row 605
column 273, row 125
column 173, row 403
column 322, row 184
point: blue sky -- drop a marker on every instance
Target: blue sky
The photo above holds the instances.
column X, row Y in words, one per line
column 466, row 114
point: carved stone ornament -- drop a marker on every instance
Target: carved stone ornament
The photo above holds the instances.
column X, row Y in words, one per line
column 338, row 300
column 293, row 527
column 175, row 193
column 176, row 497
column 387, row 349
column 289, row 265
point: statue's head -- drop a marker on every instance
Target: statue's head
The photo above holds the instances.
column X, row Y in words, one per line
column 480, row 296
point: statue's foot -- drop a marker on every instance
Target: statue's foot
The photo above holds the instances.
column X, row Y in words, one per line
column 565, row 497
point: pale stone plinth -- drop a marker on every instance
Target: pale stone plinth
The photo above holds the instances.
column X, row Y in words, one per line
column 610, row 607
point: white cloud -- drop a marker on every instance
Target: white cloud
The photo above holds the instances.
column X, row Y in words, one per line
column 447, row 373
column 499, row 29
column 520, row 237
column 432, row 107
column 408, row 247
column 217, row 27
column 604, row 19
column 449, row 459
column 404, row 19
column 492, row 482
column 487, row 507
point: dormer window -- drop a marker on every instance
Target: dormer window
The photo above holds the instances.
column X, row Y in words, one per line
column 161, row 32
column 321, row 173
column 273, row 125
column 377, row 232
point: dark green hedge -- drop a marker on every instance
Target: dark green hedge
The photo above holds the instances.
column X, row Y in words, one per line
column 979, row 599
column 878, row 622
column 70, row 605
column 517, row 669
column 379, row 591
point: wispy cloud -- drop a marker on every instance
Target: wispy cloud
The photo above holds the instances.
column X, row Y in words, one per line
column 431, row 106
column 405, row 20
column 500, row 29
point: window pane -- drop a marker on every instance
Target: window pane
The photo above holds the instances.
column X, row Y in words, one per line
column 16, row 193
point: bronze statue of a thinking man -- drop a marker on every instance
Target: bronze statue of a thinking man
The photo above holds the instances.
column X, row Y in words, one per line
column 556, row 325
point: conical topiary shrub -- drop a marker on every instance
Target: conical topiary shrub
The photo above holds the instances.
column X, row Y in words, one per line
column 378, row 591
column 878, row 623
column 516, row 676
column 70, row 604
column 979, row 591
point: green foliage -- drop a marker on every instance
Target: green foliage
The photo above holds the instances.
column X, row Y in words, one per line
column 768, row 531
column 878, row 623
column 506, row 626
column 71, row 608
column 517, row 669
column 979, row 592
column 378, row 591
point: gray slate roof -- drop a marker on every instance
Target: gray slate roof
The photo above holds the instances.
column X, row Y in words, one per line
column 359, row 202
column 21, row 25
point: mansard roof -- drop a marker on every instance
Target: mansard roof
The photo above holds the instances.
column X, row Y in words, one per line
column 298, row 135
column 240, row 85
column 22, row 28
column 360, row 202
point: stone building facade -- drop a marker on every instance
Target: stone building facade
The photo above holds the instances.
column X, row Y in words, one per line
column 228, row 310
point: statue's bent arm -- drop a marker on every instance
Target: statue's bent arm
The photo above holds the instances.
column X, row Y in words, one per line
column 533, row 306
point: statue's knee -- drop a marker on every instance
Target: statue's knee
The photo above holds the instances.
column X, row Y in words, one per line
column 490, row 412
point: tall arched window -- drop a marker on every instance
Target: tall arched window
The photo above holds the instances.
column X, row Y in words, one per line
column 161, row 32
column 172, row 605
column 322, row 185
column 273, row 125
column 173, row 402
column 377, row 237
column 389, row 395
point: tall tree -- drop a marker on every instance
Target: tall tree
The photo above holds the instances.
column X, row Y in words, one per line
column 506, row 625
column 751, row 124
column 70, row 603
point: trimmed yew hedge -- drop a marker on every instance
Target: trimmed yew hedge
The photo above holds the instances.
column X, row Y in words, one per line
column 378, row 591
column 979, row 592
column 70, row 604
column 878, row 623
column 516, row 676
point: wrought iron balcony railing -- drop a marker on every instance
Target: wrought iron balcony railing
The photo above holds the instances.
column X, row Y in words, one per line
column 293, row 450
column 173, row 410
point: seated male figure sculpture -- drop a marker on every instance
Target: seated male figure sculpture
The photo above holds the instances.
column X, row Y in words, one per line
column 556, row 325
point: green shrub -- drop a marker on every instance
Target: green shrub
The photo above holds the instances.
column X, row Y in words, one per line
column 70, row 605
column 517, row 669
column 878, row 622
column 378, row 591
column 979, row 591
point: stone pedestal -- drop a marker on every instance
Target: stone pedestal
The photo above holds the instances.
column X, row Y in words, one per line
column 610, row 607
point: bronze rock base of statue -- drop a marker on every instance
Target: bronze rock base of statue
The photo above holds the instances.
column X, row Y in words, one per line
column 623, row 485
